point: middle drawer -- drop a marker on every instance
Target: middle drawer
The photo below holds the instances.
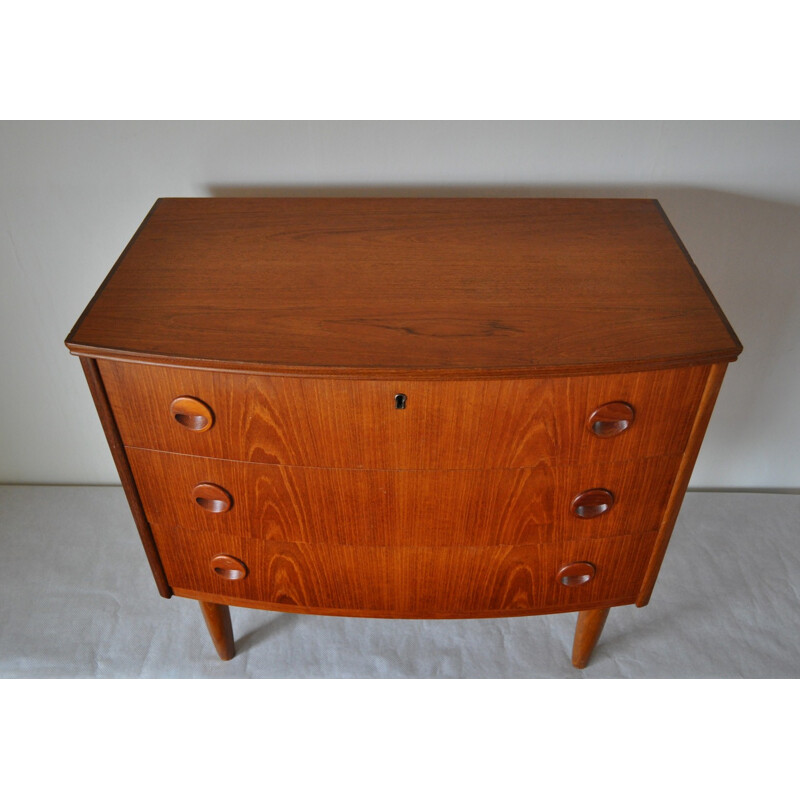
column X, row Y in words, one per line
column 403, row 507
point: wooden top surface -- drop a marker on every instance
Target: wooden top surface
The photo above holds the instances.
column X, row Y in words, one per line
column 442, row 287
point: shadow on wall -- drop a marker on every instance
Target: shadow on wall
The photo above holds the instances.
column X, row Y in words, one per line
column 748, row 251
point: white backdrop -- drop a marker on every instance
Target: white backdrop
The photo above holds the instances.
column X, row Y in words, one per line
column 72, row 194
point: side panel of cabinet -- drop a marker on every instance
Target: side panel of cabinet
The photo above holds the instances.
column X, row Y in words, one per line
column 108, row 422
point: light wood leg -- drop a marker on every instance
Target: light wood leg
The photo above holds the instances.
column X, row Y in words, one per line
column 587, row 632
column 218, row 620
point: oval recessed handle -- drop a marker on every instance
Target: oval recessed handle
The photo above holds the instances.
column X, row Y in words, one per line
column 611, row 419
column 212, row 498
column 228, row 567
column 576, row 574
column 592, row 503
column 191, row 413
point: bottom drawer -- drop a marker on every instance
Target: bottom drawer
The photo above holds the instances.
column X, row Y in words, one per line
column 404, row 581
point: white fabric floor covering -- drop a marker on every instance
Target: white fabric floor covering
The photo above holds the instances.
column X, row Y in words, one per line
column 77, row 600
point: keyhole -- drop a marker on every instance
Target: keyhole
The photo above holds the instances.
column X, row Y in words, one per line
column 400, row 401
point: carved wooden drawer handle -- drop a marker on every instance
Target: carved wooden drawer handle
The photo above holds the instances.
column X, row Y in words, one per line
column 228, row 567
column 212, row 498
column 611, row 419
column 592, row 503
column 192, row 414
column 576, row 574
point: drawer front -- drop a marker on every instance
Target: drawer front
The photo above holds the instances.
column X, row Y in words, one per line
column 404, row 581
column 444, row 424
column 400, row 507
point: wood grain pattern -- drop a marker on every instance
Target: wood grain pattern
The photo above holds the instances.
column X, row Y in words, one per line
column 445, row 424
column 393, row 286
column 402, row 507
column 132, row 495
column 406, row 581
column 405, row 407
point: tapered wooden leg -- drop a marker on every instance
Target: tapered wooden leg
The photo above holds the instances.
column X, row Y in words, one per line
column 218, row 620
column 587, row 632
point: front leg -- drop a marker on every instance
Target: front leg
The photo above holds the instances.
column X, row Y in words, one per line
column 587, row 632
column 218, row 620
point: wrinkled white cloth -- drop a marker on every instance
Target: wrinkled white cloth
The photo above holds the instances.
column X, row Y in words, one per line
column 77, row 600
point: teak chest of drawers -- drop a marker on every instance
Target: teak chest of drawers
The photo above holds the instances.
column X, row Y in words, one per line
column 405, row 407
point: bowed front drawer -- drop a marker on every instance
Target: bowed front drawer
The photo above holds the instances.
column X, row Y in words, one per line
column 419, row 582
column 395, row 508
column 405, row 408
column 456, row 424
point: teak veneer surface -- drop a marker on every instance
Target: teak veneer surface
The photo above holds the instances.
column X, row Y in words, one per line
column 356, row 286
column 406, row 581
column 405, row 407
column 445, row 424
column 403, row 507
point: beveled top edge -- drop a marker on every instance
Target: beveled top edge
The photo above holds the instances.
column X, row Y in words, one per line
column 726, row 348
column 408, row 373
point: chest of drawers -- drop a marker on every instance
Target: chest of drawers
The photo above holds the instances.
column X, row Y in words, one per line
column 405, row 408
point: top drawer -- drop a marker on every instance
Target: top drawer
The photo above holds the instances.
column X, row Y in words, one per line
column 450, row 424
